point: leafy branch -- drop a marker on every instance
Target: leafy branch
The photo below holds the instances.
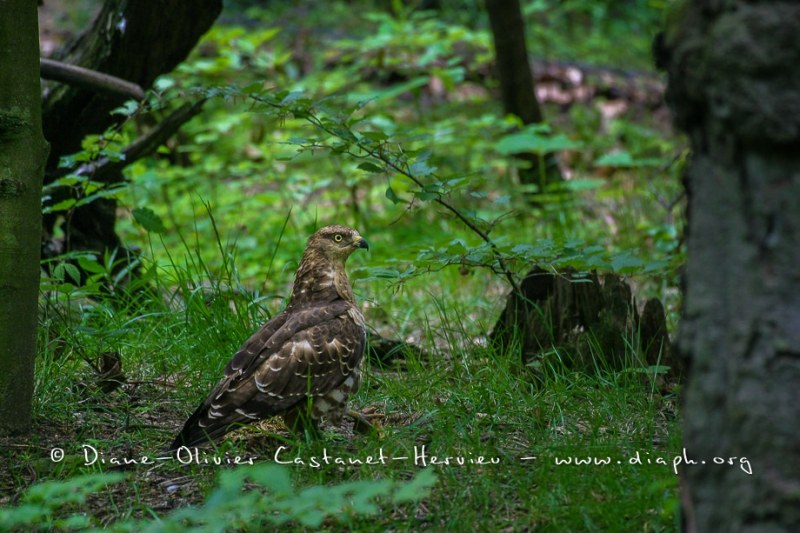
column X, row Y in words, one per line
column 270, row 499
column 375, row 146
column 404, row 170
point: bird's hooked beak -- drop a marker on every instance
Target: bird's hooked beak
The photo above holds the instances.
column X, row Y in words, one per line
column 361, row 242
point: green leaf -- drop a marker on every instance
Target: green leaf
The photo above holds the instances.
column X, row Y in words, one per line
column 76, row 521
column 253, row 88
column 416, row 489
column 529, row 141
column 583, row 184
column 163, row 83
column 61, row 271
column 364, row 494
column 149, row 220
column 127, row 109
column 457, row 246
column 370, row 167
column 626, row 262
column 276, row 478
column 376, row 136
column 615, row 159
column 390, row 194
column 90, row 264
column 311, row 518
column 452, row 183
column 63, row 205
column 425, row 195
column 26, row 514
column 294, row 97
column 420, row 168
column 656, row 266
column 623, row 159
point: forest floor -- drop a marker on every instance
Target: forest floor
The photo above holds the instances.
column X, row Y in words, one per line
column 553, row 449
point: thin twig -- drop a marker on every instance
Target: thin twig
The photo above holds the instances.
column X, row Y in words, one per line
column 439, row 200
column 315, row 121
column 467, row 222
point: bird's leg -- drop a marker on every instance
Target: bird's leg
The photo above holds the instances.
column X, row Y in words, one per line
column 363, row 421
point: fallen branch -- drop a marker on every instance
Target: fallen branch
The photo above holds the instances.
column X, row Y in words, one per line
column 88, row 79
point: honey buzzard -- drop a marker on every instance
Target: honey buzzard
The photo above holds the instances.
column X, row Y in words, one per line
column 302, row 363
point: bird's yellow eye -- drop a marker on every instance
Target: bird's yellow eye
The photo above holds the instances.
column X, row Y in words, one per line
column 337, row 237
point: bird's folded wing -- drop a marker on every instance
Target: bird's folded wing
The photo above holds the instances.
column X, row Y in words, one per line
column 274, row 334
column 311, row 353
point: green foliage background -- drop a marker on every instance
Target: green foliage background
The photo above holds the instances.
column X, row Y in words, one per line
column 378, row 117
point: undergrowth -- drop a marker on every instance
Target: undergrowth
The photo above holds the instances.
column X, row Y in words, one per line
column 490, row 436
column 221, row 215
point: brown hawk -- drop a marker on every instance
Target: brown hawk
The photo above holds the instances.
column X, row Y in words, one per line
column 303, row 362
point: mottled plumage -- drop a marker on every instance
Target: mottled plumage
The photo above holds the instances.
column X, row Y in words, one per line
column 313, row 349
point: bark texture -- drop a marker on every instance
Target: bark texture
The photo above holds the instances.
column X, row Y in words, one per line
column 734, row 88
column 517, row 89
column 585, row 323
column 23, row 151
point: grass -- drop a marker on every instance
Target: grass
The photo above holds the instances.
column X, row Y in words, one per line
column 464, row 401
column 237, row 213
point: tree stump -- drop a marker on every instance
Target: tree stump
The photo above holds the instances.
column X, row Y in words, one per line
column 584, row 320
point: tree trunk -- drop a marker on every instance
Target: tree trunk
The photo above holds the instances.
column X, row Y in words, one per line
column 516, row 83
column 733, row 87
column 135, row 42
column 23, row 152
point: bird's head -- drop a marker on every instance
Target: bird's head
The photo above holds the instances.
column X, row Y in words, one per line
column 336, row 243
column 322, row 268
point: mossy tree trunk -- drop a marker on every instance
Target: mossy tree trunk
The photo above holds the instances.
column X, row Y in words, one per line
column 517, row 88
column 23, row 152
column 733, row 87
